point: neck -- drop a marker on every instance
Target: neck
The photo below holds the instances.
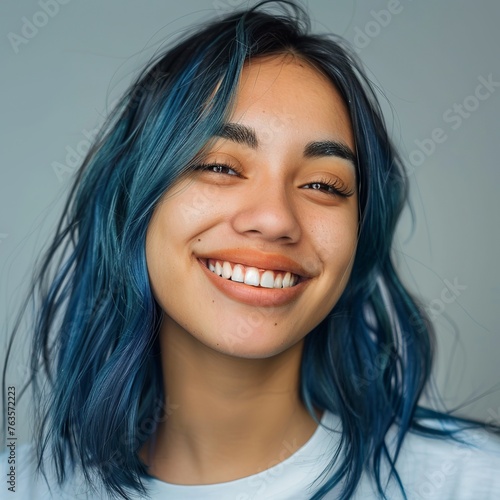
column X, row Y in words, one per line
column 228, row 417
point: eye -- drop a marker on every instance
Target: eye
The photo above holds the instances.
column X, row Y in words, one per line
column 218, row 168
column 333, row 188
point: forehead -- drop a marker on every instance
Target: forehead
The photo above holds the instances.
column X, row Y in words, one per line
column 287, row 91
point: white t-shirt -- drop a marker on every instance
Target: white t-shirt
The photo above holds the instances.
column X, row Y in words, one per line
column 429, row 469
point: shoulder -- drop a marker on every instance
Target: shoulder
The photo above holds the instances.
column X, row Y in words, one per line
column 25, row 481
column 437, row 468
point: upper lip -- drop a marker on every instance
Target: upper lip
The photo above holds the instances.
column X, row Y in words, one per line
column 258, row 259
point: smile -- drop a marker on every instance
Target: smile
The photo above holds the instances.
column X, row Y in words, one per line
column 250, row 282
column 265, row 278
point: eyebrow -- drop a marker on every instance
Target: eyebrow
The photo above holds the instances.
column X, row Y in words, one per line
column 318, row 149
column 242, row 134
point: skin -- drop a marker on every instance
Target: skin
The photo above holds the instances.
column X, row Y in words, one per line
column 231, row 369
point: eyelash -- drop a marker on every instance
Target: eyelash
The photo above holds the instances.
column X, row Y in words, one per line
column 333, row 188
column 208, row 166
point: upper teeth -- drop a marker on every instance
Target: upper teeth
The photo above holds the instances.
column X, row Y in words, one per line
column 252, row 275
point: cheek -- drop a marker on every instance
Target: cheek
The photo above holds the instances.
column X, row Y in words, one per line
column 334, row 236
column 193, row 203
column 179, row 219
column 335, row 241
column 164, row 237
column 181, row 216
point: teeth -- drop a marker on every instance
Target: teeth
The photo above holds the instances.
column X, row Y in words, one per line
column 267, row 279
column 226, row 270
column 218, row 268
column 238, row 274
column 251, row 275
column 278, row 281
column 286, row 280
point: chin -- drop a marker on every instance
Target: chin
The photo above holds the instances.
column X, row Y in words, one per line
column 257, row 344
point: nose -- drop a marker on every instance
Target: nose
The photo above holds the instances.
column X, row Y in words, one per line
column 267, row 212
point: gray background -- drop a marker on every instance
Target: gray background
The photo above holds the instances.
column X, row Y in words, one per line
column 428, row 57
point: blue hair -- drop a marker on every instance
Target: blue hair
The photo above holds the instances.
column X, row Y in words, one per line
column 96, row 330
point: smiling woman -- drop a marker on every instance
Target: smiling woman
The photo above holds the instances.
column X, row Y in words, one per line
column 279, row 222
column 227, row 284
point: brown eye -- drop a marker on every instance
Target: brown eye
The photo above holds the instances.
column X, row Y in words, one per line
column 218, row 168
column 334, row 188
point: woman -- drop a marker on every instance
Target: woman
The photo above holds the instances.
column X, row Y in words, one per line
column 226, row 321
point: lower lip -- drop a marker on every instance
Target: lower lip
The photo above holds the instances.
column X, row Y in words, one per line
column 253, row 295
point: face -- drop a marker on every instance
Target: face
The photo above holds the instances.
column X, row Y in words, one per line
column 253, row 250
